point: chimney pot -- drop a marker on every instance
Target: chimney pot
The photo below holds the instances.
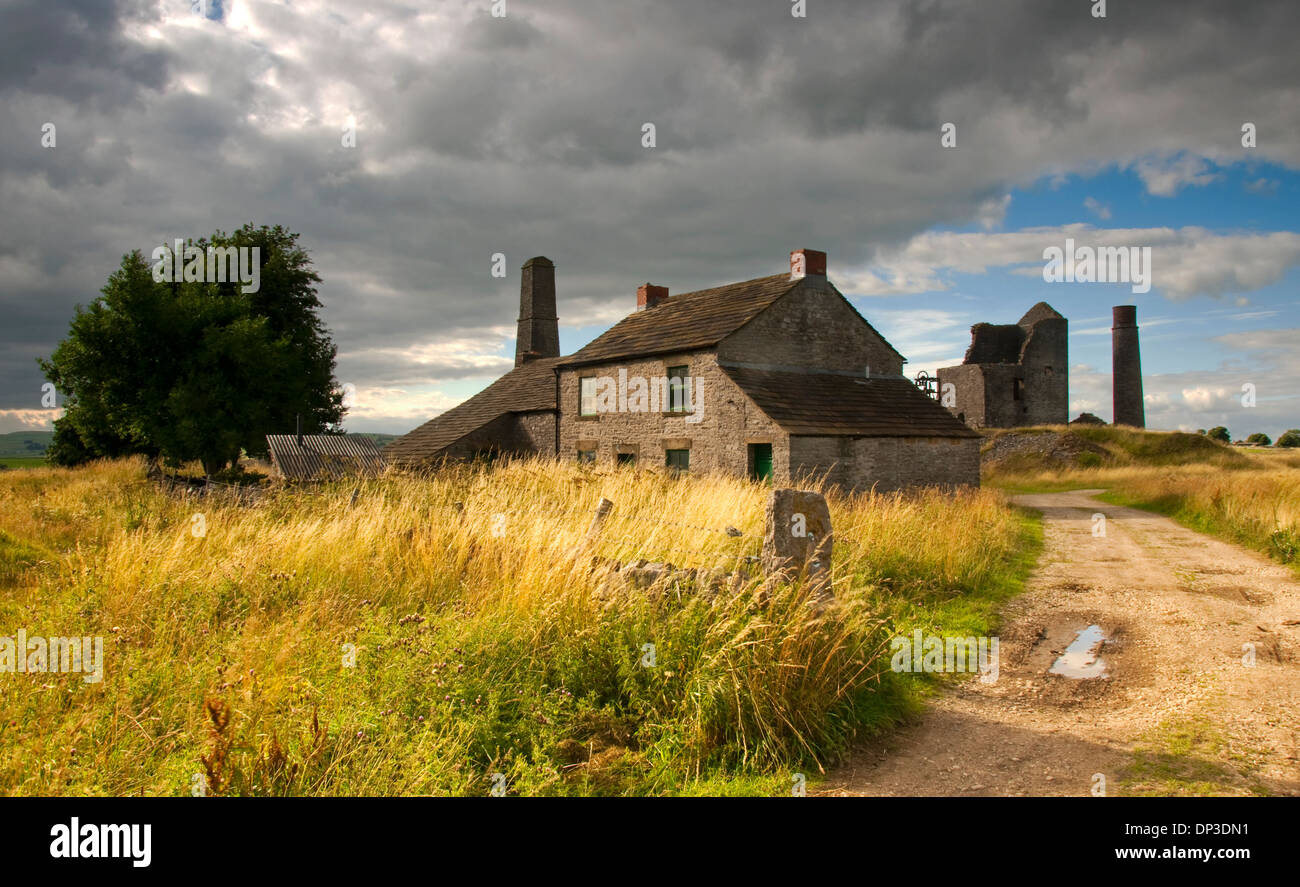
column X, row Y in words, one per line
column 649, row 295
column 807, row 263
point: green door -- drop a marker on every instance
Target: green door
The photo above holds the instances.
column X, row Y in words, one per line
column 760, row 461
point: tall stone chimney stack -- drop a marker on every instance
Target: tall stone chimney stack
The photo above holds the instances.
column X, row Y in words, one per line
column 539, row 327
column 1126, row 367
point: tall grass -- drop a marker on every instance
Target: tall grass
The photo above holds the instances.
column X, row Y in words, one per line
column 491, row 648
column 1254, row 502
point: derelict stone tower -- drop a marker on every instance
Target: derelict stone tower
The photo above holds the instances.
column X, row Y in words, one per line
column 1014, row 374
column 1126, row 368
column 539, row 326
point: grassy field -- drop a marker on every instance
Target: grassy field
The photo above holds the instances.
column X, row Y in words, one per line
column 485, row 642
column 21, row 461
column 1245, row 495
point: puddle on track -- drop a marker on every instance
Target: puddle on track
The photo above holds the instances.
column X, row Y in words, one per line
column 1080, row 659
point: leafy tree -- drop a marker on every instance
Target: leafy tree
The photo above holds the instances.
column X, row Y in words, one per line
column 1219, row 433
column 1260, row 439
column 1290, row 438
column 196, row 370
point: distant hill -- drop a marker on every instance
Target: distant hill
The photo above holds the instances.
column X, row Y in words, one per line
column 25, row 443
column 1017, row 450
column 381, row 440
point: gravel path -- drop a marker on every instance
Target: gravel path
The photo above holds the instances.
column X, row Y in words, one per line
column 1177, row 608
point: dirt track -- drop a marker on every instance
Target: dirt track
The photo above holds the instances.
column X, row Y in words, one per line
column 1179, row 712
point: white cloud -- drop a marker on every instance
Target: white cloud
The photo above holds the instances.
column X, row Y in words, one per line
column 1264, row 359
column 992, row 212
column 1186, row 262
column 28, row 420
column 1097, row 208
column 1164, row 176
column 1263, row 186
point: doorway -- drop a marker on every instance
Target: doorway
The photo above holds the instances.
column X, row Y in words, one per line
column 760, row 461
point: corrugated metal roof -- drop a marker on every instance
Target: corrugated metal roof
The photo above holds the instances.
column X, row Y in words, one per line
column 324, row 456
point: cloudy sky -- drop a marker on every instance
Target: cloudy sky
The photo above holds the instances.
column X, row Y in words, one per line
column 522, row 134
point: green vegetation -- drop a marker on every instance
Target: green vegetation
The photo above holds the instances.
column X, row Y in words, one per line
column 487, row 638
column 1190, row 756
column 1056, row 457
column 1260, row 439
column 1131, row 446
column 22, row 461
column 195, row 370
column 1251, row 498
column 25, row 444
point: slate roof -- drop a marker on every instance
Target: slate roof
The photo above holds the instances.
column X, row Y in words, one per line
column 685, row 322
column 846, row 406
column 526, row 388
column 324, row 456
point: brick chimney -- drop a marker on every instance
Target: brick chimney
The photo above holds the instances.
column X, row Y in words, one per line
column 649, row 295
column 539, row 327
column 807, row 263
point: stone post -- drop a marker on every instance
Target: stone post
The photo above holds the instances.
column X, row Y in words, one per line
column 598, row 518
column 798, row 539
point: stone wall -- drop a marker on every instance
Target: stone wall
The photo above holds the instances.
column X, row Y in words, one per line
column 811, row 326
column 1014, row 375
column 888, row 463
column 728, row 420
column 518, row 434
column 535, row 432
column 967, row 381
column 1046, row 366
column 1126, row 368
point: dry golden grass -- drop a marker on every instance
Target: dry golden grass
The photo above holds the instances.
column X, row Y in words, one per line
column 484, row 643
column 1255, row 501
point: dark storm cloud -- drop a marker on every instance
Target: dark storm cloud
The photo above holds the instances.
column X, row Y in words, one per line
column 77, row 50
column 522, row 136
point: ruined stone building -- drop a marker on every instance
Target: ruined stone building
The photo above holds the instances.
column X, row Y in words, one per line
column 1013, row 374
column 774, row 377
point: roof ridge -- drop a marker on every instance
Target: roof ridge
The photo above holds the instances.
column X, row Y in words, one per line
column 686, row 322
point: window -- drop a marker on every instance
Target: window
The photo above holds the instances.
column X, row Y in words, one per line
column 678, row 460
column 1018, row 389
column 587, row 396
column 625, row 458
column 679, row 388
column 586, row 457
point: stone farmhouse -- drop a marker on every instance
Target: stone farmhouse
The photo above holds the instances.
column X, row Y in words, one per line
column 774, row 378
